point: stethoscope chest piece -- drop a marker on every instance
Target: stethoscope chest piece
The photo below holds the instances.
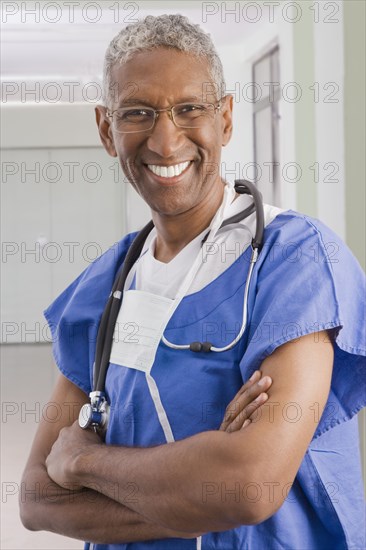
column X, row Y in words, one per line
column 95, row 414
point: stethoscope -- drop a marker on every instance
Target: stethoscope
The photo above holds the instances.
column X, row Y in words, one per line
column 96, row 413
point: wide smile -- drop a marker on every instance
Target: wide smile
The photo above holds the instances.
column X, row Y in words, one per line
column 168, row 174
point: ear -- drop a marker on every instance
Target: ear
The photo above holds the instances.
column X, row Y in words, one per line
column 105, row 130
column 227, row 119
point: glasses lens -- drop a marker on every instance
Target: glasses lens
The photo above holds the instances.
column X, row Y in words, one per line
column 138, row 119
column 193, row 115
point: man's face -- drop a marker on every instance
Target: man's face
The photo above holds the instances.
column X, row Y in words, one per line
column 160, row 79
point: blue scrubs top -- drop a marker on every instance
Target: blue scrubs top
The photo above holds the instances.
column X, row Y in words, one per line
column 306, row 280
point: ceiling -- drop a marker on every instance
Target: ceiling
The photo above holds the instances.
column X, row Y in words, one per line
column 58, row 43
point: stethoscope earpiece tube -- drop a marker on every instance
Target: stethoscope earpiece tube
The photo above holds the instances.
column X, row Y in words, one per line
column 108, row 323
column 95, row 414
column 248, row 188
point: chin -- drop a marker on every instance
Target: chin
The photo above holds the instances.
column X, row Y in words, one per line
column 170, row 211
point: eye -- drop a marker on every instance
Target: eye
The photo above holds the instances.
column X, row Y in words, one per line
column 190, row 108
column 134, row 115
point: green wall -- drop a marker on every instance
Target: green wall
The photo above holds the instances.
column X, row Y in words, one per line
column 305, row 144
column 354, row 125
column 354, row 128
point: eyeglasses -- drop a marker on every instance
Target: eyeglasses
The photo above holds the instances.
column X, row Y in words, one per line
column 129, row 120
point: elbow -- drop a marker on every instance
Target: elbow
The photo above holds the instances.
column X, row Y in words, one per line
column 257, row 510
column 262, row 514
column 256, row 498
column 253, row 502
column 31, row 509
column 27, row 516
column 254, row 513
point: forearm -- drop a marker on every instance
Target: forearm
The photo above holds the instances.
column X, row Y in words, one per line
column 170, row 480
column 177, row 502
column 86, row 515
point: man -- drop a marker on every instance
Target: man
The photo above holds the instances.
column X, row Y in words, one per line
column 291, row 478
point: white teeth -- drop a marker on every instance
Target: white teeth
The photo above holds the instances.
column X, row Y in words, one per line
column 168, row 171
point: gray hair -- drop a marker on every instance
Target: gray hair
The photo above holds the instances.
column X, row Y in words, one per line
column 172, row 31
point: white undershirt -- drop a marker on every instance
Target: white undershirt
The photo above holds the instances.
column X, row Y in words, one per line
column 164, row 279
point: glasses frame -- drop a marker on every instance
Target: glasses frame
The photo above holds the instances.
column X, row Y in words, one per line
column 217, row 106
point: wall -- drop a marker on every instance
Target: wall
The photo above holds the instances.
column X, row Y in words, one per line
column 329, row 62
column 354, row 138
column 354, row 125
column 62, row 206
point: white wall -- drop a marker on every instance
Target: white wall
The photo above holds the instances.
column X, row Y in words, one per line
column 62, row 205
column 237, row 60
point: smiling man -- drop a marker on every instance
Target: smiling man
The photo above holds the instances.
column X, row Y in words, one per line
column 282, row 469
column 174, row 168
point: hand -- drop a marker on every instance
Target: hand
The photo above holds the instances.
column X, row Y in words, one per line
column 249, row 398
column 72, row 442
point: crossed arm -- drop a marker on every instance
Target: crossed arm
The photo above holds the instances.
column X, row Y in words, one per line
column 45, row 505
column 177, row 489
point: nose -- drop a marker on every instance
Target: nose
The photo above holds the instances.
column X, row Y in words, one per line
column 165, row 138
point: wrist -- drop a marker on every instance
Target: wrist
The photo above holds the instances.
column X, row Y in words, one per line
column 82, row 463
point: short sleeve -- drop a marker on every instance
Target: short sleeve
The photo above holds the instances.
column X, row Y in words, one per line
column 75, row 315
column 307, row 280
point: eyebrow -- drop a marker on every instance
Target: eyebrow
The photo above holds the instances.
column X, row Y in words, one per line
column 138, row 101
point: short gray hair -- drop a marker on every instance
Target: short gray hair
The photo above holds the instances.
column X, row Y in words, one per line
column 172, row 31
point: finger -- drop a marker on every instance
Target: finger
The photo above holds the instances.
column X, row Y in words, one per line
column 244, row 415
column 247, row 397
column 240, row 402
column 246, row 423
column 231, row 409
column 252, row 380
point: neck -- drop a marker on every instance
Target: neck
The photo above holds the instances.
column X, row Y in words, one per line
column 175, row 232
